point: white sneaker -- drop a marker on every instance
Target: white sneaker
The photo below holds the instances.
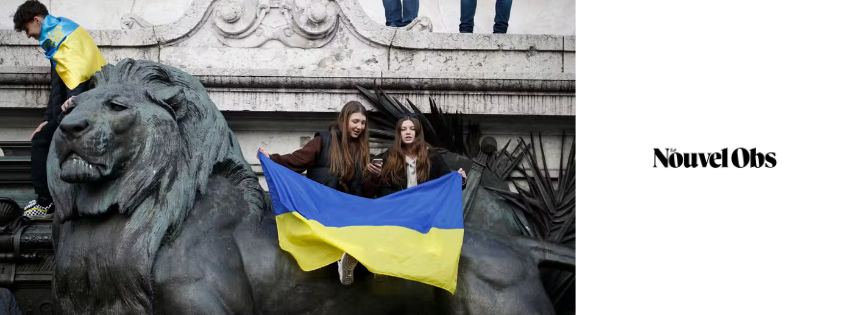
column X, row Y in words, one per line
column 346, row 267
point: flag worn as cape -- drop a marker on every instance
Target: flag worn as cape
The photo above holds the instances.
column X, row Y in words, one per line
column 71, row 49
column 414, row 234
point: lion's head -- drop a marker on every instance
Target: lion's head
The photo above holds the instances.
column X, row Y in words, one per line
column 143, row 130
column 126, row 167
column 120, row 143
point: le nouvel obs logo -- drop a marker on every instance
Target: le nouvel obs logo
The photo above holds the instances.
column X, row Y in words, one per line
column 740, row 158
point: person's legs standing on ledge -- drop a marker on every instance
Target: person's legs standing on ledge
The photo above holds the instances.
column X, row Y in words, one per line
column 468, row 13
column 398, row 13
column 393, row 12
column 410, row 9
column 503, row 12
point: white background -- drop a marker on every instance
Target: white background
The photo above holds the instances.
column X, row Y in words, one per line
column 700, row 76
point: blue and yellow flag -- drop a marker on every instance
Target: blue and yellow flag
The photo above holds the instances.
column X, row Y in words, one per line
column 414, row 234
column 71, row 50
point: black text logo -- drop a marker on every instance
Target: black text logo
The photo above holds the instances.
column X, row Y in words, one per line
column 740, row 158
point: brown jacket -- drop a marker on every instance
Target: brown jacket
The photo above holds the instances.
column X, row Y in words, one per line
column 304, row 158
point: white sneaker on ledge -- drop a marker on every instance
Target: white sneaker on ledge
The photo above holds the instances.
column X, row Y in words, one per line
column 346, row 267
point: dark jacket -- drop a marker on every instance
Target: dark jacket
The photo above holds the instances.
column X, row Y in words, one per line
column 438, row 169
column 59, row 93
column 314, row 158
column 321, row 170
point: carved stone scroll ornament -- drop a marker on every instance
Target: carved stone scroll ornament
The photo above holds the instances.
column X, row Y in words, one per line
column 132, row 20
column 295, row 23
column 420, row 24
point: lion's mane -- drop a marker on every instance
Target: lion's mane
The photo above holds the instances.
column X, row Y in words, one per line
column 108, row 259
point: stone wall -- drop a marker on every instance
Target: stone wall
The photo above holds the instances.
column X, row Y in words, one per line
column 527, row 16
column 279, row 69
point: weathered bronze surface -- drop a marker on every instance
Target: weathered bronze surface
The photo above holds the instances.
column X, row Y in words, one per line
column 157, row 211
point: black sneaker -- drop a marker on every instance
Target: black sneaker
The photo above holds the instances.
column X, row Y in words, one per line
column 33, row 210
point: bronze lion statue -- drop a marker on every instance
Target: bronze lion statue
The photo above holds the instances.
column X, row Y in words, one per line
column 157, row 212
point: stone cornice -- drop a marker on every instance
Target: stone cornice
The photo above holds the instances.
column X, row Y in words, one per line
column 350, row 12
column 275, row 79
column 308, row 56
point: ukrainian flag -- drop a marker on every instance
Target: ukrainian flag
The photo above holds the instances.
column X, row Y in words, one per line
column 71, row 49
column 414, row 234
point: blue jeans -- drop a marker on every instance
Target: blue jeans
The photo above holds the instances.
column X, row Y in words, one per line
column 500, row 22
column 399, row 14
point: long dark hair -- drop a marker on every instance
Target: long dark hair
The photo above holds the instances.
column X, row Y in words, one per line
column 346, row 158
column 393, row 170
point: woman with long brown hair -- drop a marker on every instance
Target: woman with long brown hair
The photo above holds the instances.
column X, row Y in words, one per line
column 410, row 161
column 337, row 159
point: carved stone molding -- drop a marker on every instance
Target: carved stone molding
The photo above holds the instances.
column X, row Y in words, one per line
column 303, row 18
column 271, row 79
column 295, row 23
column 420, row 24
column 132, row 20
column 235, row 41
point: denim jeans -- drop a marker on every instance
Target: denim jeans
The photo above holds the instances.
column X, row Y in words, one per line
column 399, row 13
column 500, row 21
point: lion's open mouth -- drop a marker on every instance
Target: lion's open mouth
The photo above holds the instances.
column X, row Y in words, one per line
column 77, row 170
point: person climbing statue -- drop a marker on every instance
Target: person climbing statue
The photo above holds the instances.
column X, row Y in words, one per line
column 74, row 57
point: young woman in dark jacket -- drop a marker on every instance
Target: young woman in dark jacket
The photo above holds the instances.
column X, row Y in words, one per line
column 410, row 161
column 337, row 159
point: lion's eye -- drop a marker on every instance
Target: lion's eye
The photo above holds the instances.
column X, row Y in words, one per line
column 117, row 107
